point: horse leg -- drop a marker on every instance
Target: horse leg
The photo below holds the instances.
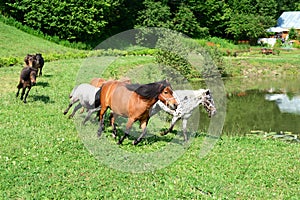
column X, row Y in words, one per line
column 23, row 92
column 17, row 94
column 70, row 105
column 128, row 127
column 90, row 112
column 101, row 120
column 174, row 120
column 28, row 89
column 41, row 72
column 112, row 119
column 144, row 128
column 184, row 125
column 75, row 110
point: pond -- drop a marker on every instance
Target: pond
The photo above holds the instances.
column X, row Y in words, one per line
column 265, row 104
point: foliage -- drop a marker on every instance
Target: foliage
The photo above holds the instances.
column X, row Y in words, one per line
column 155, row 14
column 173, row 53
column 212, row 14
column 90, row 22
column 250, row 26
column 293, row 34
column 73, row 20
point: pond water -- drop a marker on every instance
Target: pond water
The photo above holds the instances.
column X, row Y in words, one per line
column 265, row 104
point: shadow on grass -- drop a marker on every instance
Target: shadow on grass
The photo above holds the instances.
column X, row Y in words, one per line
column 43, row 98
column 47, row 75
column 42, row 84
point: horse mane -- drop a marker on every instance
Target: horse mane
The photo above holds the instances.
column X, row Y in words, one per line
column 150, row 90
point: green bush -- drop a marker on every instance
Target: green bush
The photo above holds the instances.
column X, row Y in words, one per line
column 10, row 61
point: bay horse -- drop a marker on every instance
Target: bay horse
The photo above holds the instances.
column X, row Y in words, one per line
column 27, row 80
column 98, row 82
column 88, row 97
column 189, row 101
column 133, row 101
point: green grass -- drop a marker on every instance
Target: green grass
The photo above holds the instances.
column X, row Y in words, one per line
column 253, row 64
column 43, row 156
column 17, row 43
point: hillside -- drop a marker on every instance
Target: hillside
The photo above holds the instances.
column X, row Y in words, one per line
column 18, row 43
column 15, row 44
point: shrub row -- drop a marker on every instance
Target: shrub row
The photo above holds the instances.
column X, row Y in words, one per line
column 11, row 61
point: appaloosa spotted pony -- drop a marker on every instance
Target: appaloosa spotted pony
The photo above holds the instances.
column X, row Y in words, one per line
column 189, row 101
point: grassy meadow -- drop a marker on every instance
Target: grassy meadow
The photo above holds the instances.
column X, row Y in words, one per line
column 43, row 155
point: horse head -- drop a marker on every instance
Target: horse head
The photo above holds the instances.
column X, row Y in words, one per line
column 30, row 60
column 208, row 103
column 166, row 95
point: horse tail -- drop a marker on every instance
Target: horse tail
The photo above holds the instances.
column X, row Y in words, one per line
column 97, row 98
column 73, row 91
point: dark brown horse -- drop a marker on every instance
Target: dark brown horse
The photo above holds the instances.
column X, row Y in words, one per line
column 30, row 60
column 35, row 61
column 27, row 80
column 133, row 101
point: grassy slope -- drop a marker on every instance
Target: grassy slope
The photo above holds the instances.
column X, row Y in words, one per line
column 17, row 43
column 42, row 156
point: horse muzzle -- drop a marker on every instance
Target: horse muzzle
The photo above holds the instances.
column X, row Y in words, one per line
column 172, row 106
column 33, row 83
column 212, row 113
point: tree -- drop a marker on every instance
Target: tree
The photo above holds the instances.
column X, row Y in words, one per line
column 74, row 20
column 212, row 14
column 155, row 14
column 185, row 22
column 293, row 34
column 248, row 27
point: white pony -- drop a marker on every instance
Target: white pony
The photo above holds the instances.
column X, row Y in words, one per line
column 189, row 100
column 88, row 97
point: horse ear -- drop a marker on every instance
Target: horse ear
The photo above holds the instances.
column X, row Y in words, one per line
column 26, row 59
column 207, row 92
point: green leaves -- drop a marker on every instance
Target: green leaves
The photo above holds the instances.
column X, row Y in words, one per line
column 72, row 20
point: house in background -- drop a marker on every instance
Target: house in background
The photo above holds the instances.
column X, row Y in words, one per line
column 285, row 22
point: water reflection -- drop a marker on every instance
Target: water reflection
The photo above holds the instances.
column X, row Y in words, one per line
column 252, row 105
column 285, row 103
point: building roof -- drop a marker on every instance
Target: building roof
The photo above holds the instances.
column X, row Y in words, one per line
column 289, row 19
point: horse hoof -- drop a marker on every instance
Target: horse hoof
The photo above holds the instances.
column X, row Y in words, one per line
column 135, row 142
column 163, row 133
column 99, row 134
